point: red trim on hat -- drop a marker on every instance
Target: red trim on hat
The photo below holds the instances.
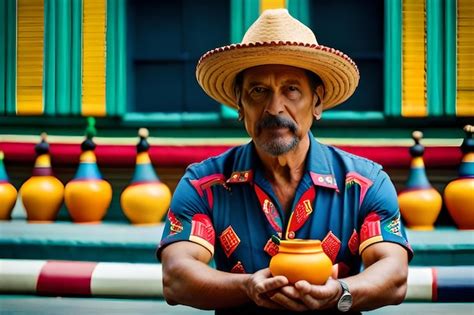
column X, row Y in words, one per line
column 65, row 278
column 279, row 43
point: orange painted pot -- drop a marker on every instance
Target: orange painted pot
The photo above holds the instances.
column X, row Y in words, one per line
column 458, row 196
column 7, row 200
column 88, row 200
column 301, row 260
column 42, row 196
column 145, row 203
column 420, row 208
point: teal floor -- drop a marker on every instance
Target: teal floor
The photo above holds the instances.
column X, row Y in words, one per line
column 35, row 305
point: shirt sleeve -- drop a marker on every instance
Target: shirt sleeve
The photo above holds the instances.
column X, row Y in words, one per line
column 381, row 215
column 188, row 218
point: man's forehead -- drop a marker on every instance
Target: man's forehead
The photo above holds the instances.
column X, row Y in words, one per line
column 279, row 72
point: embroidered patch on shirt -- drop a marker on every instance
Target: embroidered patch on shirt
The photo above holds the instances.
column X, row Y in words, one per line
column 229, row 241
column 238, row 268
column 371, row 227
column 269, row 209
column 324, row 180
column 175, row 225
column 393, row 226
column 202, row 231
column 363, row 182
column 240, row 177
column 271, row 248
column 331, row 245
column 353, row 243
column 204, row 184
column 370, row 231
column 302, row 212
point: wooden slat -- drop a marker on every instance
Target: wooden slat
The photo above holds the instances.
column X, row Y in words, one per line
column 93, row 57
column 272, row 4
column 30, row 47
column 414, row 59
column 465, row 58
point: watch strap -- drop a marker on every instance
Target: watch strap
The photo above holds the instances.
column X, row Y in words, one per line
column 344, row 286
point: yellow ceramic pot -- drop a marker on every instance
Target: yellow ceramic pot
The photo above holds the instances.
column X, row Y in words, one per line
column 301, row 260
column 420, row 208
column 42, row 197
column 88, row 200
column 7, row 200
column 145, row 203
column 458, row 196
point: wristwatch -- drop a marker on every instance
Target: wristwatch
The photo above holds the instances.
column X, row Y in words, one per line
column 345, row 301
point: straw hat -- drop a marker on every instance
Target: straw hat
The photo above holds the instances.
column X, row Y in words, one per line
column 277, row 38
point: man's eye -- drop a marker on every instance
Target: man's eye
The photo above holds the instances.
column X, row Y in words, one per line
column 258, row 90
column 292, row 88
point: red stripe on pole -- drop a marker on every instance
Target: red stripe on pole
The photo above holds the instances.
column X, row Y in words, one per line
column 65, row 278
column 434, row 285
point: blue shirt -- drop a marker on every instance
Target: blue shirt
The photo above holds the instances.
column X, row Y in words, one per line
column 227, row 205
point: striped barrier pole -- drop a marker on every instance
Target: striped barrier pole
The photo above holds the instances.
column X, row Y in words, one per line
column 78, row 278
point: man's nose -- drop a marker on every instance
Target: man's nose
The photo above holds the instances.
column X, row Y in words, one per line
column 276, row 105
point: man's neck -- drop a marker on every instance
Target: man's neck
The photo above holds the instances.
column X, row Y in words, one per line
column 286, row 168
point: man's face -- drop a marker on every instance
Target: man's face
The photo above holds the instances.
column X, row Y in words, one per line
column 278, row 106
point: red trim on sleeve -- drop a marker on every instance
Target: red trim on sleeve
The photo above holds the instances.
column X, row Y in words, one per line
column 202, row 227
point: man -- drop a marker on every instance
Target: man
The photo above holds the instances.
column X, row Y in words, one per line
column 282, row 184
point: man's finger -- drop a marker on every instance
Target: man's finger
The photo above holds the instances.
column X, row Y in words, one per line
column 288, row 303
column 271, row 284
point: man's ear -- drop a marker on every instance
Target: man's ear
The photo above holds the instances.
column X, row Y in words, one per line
column 318, row 102
column 240, row 111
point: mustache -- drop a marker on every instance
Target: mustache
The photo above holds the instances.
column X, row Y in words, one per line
column 271, row 121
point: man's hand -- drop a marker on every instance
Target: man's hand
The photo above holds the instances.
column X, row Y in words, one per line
column 273, row 292
column 319, row 297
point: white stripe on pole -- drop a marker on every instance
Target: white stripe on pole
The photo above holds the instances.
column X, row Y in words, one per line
column 19, row 275
column 420, row 284
column 127, row 279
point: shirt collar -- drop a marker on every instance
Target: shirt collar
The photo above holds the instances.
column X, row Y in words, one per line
column 317, row 164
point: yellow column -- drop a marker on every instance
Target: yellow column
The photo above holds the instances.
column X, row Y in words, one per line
column 29, row 63
column 271, row 4
column 93, row 57
column 414, row 59
column 465, row 59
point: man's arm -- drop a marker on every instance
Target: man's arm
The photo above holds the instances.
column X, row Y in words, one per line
column 188, row 280
column 383, row 281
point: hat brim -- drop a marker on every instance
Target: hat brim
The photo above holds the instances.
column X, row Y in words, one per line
column 217, row 69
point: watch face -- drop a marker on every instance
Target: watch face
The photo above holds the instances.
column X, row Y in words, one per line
column 345, row 302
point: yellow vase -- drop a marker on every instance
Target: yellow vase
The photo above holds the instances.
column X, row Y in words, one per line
column 420, row 208
column 8, row 193
column 88, row 200
column 459, row 194
column 145, row 203
column 87, row 195
column 146, row 199
column 42, row 197
column 42, row 194
column 301, row 260
column 460, row 202
column 420, row 204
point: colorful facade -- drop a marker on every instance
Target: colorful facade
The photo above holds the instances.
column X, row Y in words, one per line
column 120, row 59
